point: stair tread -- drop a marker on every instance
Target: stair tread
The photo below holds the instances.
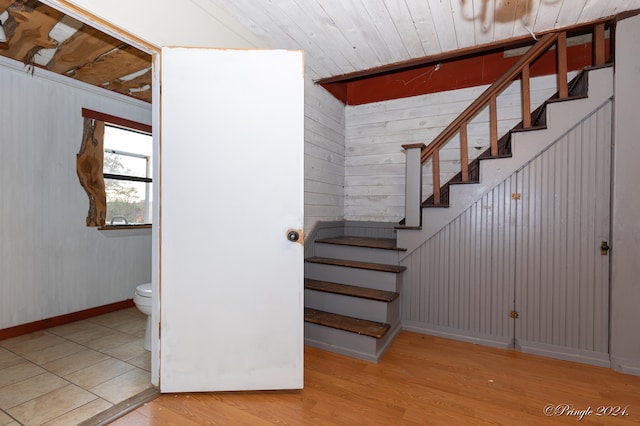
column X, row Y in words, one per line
column 528, row 129
column 351, row 290
column 408, row 227
column 569, row 98
column 342, row 322
column 355, row 264
column 426, row 204
column 468, row 182
column 370, row 242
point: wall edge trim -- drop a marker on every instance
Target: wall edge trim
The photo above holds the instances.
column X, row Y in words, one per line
column 43, row 324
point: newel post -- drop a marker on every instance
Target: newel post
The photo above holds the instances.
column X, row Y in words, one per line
column 413, row 184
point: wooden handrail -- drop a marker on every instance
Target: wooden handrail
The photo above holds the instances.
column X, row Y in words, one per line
column 467, row 115
column 520, row 69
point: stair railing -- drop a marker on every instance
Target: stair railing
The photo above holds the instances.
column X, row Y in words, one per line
column 418, row 154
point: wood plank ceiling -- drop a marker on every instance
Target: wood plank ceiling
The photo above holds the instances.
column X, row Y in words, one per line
column 339, row 36
column 344, row 36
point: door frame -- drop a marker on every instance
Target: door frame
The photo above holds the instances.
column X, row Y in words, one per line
column 126, row 37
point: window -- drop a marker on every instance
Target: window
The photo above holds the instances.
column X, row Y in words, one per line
column 127, row 176
column 114, row 168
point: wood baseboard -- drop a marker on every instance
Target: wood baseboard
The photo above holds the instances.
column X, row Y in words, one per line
column 31, row 327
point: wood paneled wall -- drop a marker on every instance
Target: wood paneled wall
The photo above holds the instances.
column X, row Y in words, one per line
column 323, row 156
column 459, row 283
column 51, row 262
column 538, row 255
column 562, row 279
column 375, row 162
column 625, row 268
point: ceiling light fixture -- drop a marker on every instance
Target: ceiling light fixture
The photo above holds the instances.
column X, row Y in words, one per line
column 3, row 35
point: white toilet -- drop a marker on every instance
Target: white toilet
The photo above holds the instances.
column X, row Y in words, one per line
column 142, row 299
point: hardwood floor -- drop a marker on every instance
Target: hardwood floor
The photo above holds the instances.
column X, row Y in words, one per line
column 420, row 380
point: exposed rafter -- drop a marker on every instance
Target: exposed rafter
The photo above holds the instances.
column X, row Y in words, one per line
column 41, row 37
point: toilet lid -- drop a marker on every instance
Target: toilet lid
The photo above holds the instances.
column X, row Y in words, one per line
column 144, row 290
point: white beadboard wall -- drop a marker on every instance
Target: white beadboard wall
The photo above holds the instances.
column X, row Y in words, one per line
column 51, row 263
column 375, row 133
column 562, row 280
column 459, row 283
column 323, row 156
column 625, row 226
column 538, row 255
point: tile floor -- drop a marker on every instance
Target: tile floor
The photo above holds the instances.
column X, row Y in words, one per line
column 67, row 374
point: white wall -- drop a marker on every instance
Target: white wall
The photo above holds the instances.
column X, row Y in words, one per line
column 625, row 245
column 170, row 23
column 323, row 156
column 51, row 263
column 375, row 133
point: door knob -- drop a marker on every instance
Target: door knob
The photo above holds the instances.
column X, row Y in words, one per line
column 604, row 248
column 293, row 236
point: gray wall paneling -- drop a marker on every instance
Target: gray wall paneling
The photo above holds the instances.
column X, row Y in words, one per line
column 625, row 264
column 541, row 252
column 562, row 280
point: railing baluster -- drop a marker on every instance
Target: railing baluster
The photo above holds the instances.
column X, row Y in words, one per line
column 435, row 159
column 563, row 88
column 526, row 98
column 497, row 87
column 464, row 152
column 521, row 68
column 598, row 45
column 493, row 125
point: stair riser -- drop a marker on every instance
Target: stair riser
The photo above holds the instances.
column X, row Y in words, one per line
column 372, row 310
column 347, row 343
column 378, row 280
column 360, row 254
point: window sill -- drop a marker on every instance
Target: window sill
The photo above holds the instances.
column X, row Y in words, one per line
column 126, row 230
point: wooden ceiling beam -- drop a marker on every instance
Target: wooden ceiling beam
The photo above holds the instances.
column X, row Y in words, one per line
column 4, row 4
column 84, row 46
column 88, row 55
column 113, row 65
column 139, row 82
column 28, row 30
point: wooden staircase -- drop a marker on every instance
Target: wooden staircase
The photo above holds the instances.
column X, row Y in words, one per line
column 352, row 303
column 577, row 89
column 419, row 154
column 352, row 284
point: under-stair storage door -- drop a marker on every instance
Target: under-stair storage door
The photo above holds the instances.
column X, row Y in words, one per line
column 231, row 176
column 562, row 278
column 460, row 282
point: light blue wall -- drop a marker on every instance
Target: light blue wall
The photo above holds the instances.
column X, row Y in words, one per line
column 50, row 262
column 625, row 245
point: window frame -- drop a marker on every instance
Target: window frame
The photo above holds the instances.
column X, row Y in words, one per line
column 92, row 176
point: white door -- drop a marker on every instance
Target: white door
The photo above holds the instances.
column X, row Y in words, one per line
column 231, row 189
column 562, row 275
